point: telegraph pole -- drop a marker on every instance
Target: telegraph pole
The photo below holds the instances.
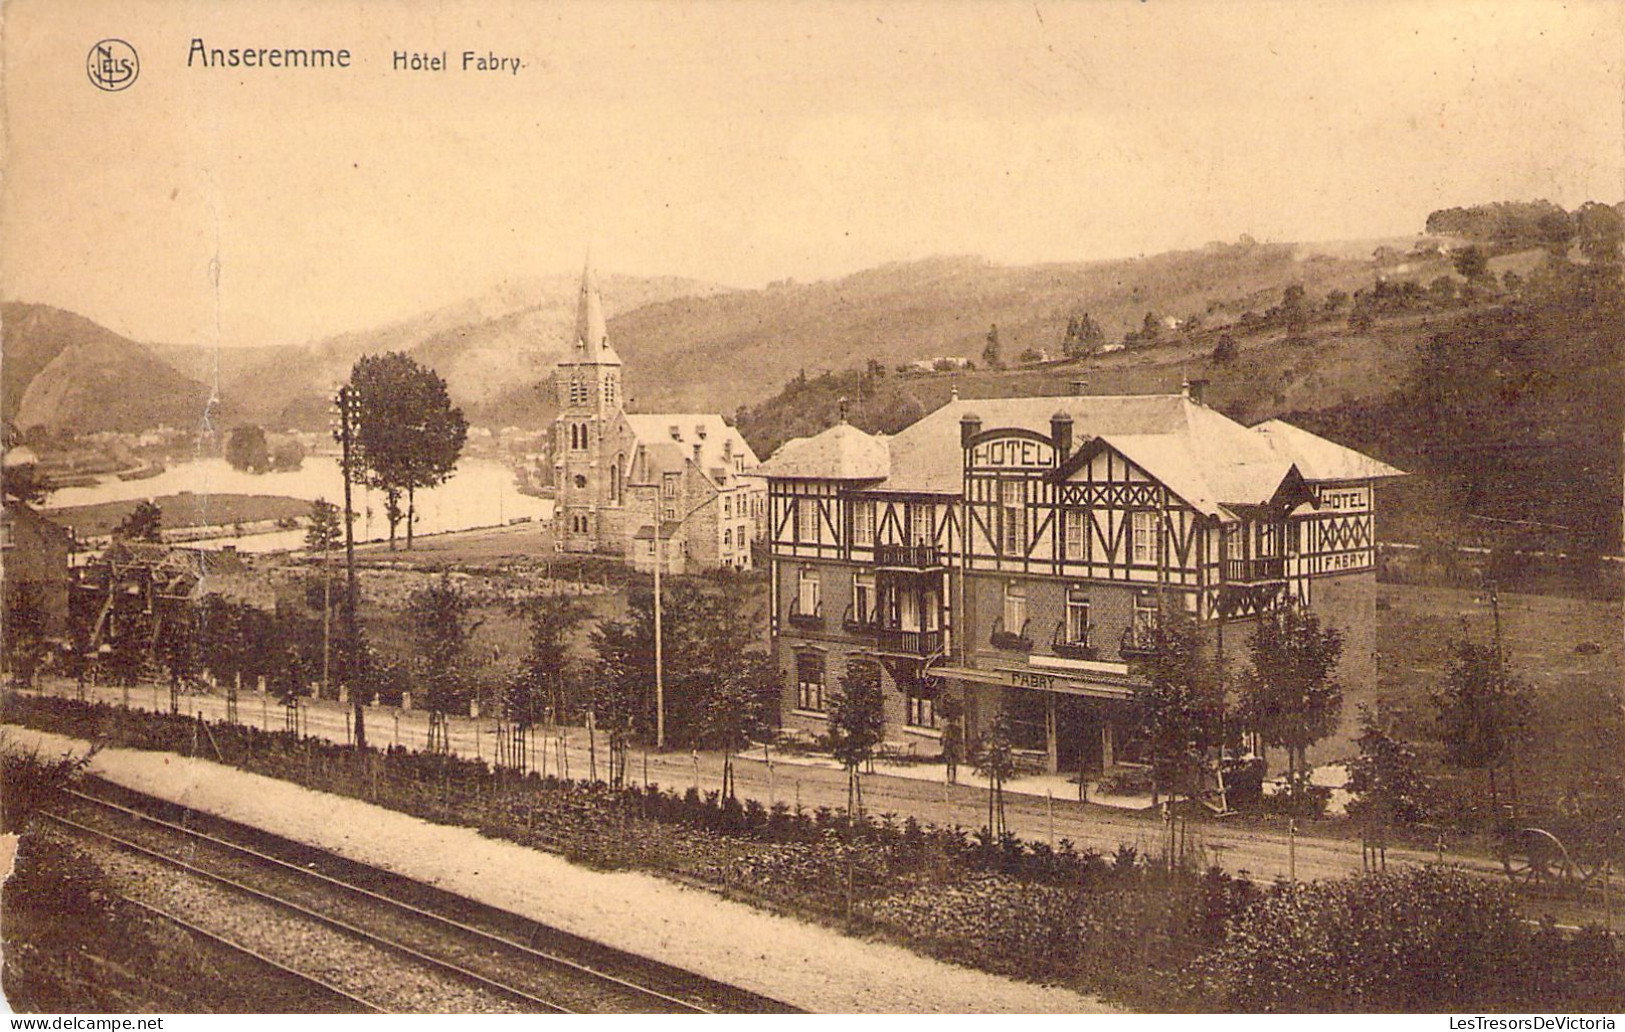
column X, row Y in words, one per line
column 347, row 404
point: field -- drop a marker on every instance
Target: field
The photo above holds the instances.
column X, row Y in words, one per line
column 1567, row 650
column 183, row 510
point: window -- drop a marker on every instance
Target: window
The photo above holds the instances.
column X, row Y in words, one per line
column 1076, row 523
column 808, row 598
column 1235, row 542
column 1146, row 538
column 863, row 523
column 1145, row 616
column 1077, row 616
column 580, row 482
column 615, row 481
column 1015, row 608
column 919, row 524
column 578, row 436
column 810, row 682
column 727, row 507
column 1013, row 517
column 863, row 598
column 727, row 539
column 807, row 520
column 669, row 484
column 922, row 711
column 578, row 391
column 609, row 390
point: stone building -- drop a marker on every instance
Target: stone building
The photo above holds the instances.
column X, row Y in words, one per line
column 624, row 478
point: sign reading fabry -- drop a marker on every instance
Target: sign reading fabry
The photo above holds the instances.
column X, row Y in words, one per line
column 1013, row 453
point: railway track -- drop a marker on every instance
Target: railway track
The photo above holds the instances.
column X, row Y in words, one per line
column 527, row 966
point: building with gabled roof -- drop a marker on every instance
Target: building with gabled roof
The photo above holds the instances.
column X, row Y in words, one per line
column 1017, row 553
column 623, row 478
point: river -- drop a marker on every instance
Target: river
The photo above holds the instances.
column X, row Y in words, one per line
column 481, row 493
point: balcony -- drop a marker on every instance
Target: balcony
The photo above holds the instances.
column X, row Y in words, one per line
column 1139, row 639
column 1061, row 646
column 854, row 622
column 908, row 643
column 1010, row 641
column 813, row 621
column 1264, row 570
column 908, row 557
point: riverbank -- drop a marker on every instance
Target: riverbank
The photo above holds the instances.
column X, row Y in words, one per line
column 185, row 510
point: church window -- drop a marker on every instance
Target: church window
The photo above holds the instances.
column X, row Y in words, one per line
column 581, row 481
column 609, row 390
column 615, row 481
column 578, row 391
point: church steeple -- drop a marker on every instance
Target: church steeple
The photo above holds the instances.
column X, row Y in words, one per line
column 592, row 335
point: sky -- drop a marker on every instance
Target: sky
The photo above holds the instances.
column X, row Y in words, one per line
column 754, row 140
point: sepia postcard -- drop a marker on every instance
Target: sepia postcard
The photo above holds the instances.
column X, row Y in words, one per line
column 908, row 508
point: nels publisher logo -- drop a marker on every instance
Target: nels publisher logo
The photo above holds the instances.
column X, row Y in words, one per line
column 112, row 65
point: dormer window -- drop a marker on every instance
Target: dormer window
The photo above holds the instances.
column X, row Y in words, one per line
column 676, row 432
column 699, row 431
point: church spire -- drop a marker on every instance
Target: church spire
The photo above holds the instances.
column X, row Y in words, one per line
column 591, row 335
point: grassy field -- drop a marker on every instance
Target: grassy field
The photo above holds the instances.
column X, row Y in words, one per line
column 1579, row 734
column 183, row 510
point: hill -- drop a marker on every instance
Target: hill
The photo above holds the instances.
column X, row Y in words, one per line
column 1505, row 403
column 743, row 345
column 492, row 350
column 62, row 371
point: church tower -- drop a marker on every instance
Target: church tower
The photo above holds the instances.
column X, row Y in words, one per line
column 589, row 459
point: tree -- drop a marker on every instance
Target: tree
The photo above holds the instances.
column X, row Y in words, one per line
column 1150, row 327
column 1483, row 711
column 996, row 760
column 1386, row 776
column 990, row 350
column 247, row 449
column 1179, row 702
column 736, row 710
column 1295, row 308
column 1336, row 301
column 1443, row 290
column 1083, row 336
column 1471, row 262
column 323, row 530
column 25, row 483
column 538, row 686
column 1225, row 351
column 407, row 434
column 143, row 523
column 287, row 456
column 24, row 629
column 857, row 721
column 1290, row 692
column 438, row 617
column 1600, row 230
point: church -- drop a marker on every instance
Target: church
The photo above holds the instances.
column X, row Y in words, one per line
column 645, row 485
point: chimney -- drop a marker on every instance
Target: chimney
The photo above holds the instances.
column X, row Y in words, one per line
column 970, row 425
column 842, row 404
column 696, row 453
column 1079, row 388
column 1060, row 432
column 1196, row 391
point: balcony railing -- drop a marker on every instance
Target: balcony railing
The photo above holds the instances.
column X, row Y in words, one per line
column 910, row 643
column 1139, row 639
column 813, row 621
column 856, row 622
column 1012, row 641
column 1254, row 571
column 909, row 557
column 1066, row 648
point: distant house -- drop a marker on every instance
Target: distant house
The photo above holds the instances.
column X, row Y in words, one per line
column 34, row 551
column 134, row 587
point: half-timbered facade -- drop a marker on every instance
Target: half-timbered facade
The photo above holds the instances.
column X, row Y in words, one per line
column 1017, row 553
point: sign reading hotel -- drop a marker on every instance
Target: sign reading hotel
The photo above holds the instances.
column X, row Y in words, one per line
column 1344, row 499
column 1024, row 452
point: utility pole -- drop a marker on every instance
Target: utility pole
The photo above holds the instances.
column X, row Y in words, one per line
column 347, row 406
column 660, row 666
